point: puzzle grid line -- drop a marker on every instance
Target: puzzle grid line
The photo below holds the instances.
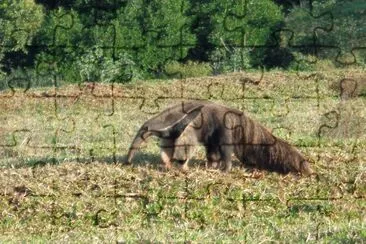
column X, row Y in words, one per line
column 331, row 123
column 99, row 221
column 332, row 116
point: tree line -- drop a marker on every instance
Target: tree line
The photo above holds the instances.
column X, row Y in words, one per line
column 123, row 40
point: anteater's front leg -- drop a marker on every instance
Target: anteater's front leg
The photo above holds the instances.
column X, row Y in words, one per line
column 167, row 151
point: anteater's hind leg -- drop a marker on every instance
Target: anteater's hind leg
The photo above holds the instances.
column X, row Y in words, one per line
column 185, row 166
column 213, row 156
column 226, row 152
column 183, row 154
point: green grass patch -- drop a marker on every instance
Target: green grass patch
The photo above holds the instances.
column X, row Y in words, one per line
column 63, row 179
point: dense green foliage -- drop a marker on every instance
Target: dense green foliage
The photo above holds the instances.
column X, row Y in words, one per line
column 119, row 41
column 338, row 27
column 19, row 22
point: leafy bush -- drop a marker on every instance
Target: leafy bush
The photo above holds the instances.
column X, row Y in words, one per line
column 279, row 57
column 73, row 41
column 241, row 29
column 324, row 65
column 96, row 66
column 19, row 23
column 225, row 60
column 132, row 41
column 154, row 32
column 24, row 79
column 340, row 27
column 302, row 62
column 190, row 69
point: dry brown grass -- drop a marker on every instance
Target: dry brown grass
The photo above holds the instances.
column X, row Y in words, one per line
column 62, row 177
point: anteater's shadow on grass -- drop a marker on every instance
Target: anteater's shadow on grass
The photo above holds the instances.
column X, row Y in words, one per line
column 154, row 161
column 39, row 162
column 142, row 159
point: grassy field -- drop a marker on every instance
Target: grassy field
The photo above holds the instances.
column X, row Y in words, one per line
column 62, row 177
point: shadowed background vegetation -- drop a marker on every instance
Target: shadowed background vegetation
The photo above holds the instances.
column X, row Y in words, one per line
column 120, row 41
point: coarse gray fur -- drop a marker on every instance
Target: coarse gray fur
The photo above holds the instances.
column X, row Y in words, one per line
column 223, row 131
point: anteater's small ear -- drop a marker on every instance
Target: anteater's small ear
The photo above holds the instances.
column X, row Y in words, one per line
column 175, row 130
